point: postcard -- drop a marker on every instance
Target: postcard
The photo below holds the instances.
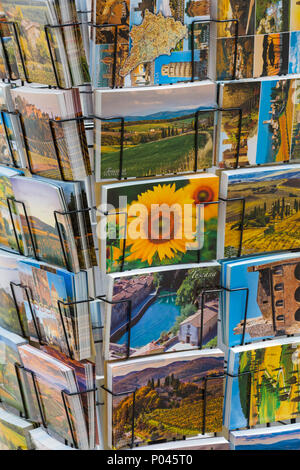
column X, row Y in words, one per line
column 271, row 221
column 42, row 222
column 53, row 376
column 272, row 16
column 246, row 96
column 166, row 311
column 271, row 310
column 11, row 232
column 263, row 383
column 43, row 441
column 168, row 396
column 271, row 54
column 272, row 438
column 12, row 313
column 31, row 16
column 10, row 142
column 156, row 121
column 165, row 28
column 242, row 10
column 294, row 60
column 10, row 393
column 60, row 152
column 295, row 143
column 276, row 120
column 163, row 241
column 14, row 432
column 229, row 66
column 295, row 15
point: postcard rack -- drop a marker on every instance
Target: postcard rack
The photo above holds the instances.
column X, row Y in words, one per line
column 16, row 34
column 203, row 428
column 65, row 396
column 236, row 38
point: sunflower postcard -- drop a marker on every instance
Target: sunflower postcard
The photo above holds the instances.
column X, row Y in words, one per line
column 157, row 223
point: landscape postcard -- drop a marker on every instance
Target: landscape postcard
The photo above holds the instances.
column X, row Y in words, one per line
column 11, row 234
column 281, row 437
column 14, row 432
column 295, row 144
column 153, row 42
column 242, row 10
column 168, row 398
column 31, row 16
column 272, row 217
column 156, row 122
column 265, row 387
column 9, row 273
column 276, row 113
column 163, row 241
column 166, row 312
column 294, row 60
column 246, row 96
column 273, row 306
column 272, row 16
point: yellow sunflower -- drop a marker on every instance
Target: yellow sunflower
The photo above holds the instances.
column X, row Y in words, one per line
column 202, row 191
column 164, row 232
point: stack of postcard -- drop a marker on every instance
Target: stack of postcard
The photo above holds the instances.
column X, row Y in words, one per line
column 54, row 149
column 158, row 222
column 283, row 437
column 66, row 413
column 38, row 301
column 268, row 38
column 55, row 229
column 14, row 432
column 149, row 43
column 205, row 443
column 270, row 122
column 272, row 309
column 156, row 121
column 11, row 143
column 158, row 310
column 271, row 218
column 41, row 440
column 263, row 383
column 52, row 55
column 166, row 397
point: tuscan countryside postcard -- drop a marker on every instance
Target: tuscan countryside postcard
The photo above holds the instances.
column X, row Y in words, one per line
column 14, row 432
column 168, row 398
column 165, row 121
column 265, row 387
column 273, row 305
column 166, row 312
column 272, row 216
column 142, row 233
